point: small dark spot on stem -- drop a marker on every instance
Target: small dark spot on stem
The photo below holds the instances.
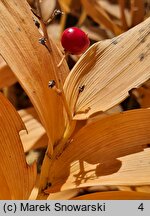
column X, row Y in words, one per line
column 37, row 24
column 141, row 56
column 51, row 83
column 42, row 41
column 81, row 88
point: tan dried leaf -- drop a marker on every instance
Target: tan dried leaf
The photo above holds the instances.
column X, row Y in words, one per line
column 16, row 177
column 65, row 5
column 108, row 70
column 114, row 195
column 7, row 78
column 32, row 64
column 99, row 15
column 64, row 195
column 106, row 152
column 47, row 8
column 35, row 137
column 142, row 95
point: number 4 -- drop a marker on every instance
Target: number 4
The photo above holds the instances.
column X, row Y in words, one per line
column 141, row 207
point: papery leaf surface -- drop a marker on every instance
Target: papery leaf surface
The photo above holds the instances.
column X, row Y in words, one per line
column 16, row 177
column 32, row 64
column 108, row 70
column 106, row 152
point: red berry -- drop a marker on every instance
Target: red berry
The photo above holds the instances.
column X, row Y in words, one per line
column 74, row 41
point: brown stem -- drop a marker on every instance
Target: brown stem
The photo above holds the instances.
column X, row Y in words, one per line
column 123, row 17
column 43, row 25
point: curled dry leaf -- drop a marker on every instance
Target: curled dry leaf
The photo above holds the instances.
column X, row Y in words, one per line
column 36, row 136
column 114, row 195
column 7, row 78
column 108, row 70
column 32, row 64
column 106, row 152
column 99, row 15
column 16, row 177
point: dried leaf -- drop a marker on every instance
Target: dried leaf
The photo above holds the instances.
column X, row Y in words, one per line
column 64, row 195
column 106, row 153
column 114, row 10
column 16, row 177
column 137, row 11
column 36, row 136
column 99, row 15
column 32, row 64
column 145, row 189
column 65, row 5
column 47, row 8
column 7, row 78
column 114, row 195
column 108, row 70
column 123, row 17
column 142, row 95
column 94, row 33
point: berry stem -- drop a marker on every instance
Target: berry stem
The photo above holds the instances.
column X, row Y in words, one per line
column 63, row 58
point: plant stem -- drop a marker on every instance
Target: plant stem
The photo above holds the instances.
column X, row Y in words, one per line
column 43, row 25
column 50, row 159
column 58, row 80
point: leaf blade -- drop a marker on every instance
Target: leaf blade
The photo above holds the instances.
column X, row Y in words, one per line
column 19, row 177
column 32, row 64
column 105, row 153
column 115, row 195
column 108, row 70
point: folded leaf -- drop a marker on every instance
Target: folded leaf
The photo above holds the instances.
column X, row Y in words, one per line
column 108, row 70
column 36, row 136
column 16, row 177
column 32, row 64
column 106, row 153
